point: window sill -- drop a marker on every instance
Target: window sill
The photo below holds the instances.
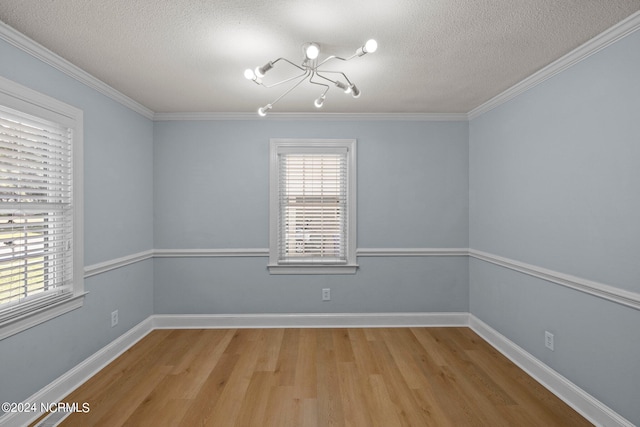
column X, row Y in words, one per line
column 33, row 318
column 312, row 269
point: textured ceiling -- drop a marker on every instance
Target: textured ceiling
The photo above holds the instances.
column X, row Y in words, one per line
column 434, row 56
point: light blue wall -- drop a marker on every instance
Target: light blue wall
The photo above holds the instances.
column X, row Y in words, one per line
column 555, row 182
column 211, row 191
column 118, row 207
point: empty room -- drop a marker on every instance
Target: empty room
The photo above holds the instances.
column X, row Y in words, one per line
column 329, row 213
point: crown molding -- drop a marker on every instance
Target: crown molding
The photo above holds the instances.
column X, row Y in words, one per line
column 596, row 44
column 599, row 42
column 40, row 52
column 416, row 117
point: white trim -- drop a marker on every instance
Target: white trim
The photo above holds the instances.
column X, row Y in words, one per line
column 196, row 253
column 48, row 107
column 610, row 293
column 589, row 407
column 420, row 117
column 585, row 404
column 264, row 252
column 312, row 269
column 599, row 42
column 102, row 267
column 298, row 145
column 32, row 102
column 40, row 52
column 44, row 314
column 72, row 379
column 308, row 320
column 411, row 252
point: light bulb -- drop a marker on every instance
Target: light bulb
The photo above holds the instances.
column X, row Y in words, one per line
column 312, row 51
column 249, row 74
column 259, row 73
column 319, row 102
column 262, row 111
column 355, row 91
column 371, row 46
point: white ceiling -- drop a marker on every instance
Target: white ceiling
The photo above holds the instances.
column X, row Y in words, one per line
column 434, row 56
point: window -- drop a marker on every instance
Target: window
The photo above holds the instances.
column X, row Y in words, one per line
column 313, row 210
column 40, row 208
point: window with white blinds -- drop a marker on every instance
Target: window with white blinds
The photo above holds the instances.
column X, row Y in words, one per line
column 36, row 212
column 35, row 208
column 312, row 206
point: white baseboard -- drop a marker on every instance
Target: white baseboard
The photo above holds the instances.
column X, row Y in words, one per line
column 308, row 320
column 588, row 406
column 75, row 377
column 585, row 404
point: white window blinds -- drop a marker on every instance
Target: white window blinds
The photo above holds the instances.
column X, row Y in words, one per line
column 312, row 206
column 312, row 220
column 36, row 215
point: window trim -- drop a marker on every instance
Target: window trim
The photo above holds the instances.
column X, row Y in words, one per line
column 31, row 102
column 274, row 266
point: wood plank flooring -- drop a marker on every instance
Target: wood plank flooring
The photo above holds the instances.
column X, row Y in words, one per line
column 316, row 377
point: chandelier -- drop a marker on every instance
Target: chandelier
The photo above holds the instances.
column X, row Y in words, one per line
column 310, row 70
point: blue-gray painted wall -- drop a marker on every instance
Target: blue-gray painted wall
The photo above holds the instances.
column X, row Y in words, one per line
column 211, row 191
column 555, row 182
column 118, row 216
column 549, row 178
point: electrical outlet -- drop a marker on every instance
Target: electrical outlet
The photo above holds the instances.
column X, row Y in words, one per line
column 548, row 340
column 114, row 318
column 326, row 294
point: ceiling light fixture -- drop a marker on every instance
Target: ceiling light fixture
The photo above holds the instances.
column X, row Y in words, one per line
column 310, row 71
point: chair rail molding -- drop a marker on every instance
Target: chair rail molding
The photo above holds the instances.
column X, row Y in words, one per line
column 607, row 292
column 601, row 290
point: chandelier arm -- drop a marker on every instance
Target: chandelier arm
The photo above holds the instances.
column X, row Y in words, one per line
column 285, row 80
column 336, row 57
column 291, row 88
column 334, row 72
column 286, row 60
column 318, row 83
column 326, row 78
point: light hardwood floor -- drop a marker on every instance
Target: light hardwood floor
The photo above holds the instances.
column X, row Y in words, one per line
column 316, row 377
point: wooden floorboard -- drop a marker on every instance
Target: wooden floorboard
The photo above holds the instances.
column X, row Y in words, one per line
column 316, row 377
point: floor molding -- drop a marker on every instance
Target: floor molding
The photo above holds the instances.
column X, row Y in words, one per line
column 307, row 320
column 592, row 409
column 585, row 404
column 75, row 377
